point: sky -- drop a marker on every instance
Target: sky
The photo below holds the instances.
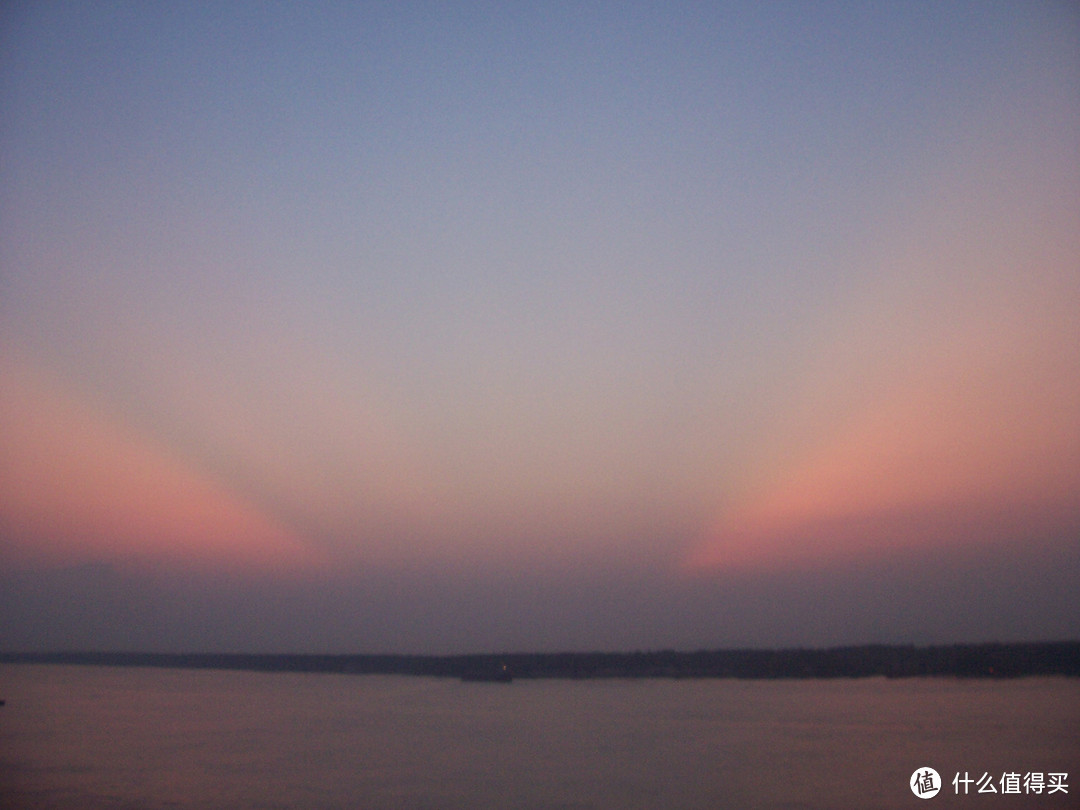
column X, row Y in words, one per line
column 458, row 327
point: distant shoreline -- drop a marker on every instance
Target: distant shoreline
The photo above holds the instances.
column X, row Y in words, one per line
column 991, row 660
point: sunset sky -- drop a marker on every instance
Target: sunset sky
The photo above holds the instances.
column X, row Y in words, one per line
column 386, row 327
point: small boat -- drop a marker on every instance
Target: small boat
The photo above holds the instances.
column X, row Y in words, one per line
column 488, row 672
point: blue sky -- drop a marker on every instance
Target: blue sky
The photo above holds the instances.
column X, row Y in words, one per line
column 304, row 295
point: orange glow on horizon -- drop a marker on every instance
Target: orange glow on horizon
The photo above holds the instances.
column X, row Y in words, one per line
column 78, row 487
column 925, row 469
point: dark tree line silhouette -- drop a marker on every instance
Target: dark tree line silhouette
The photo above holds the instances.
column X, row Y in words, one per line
column 993, row 660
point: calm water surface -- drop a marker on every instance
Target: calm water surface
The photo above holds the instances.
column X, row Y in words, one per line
column 89, row 737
